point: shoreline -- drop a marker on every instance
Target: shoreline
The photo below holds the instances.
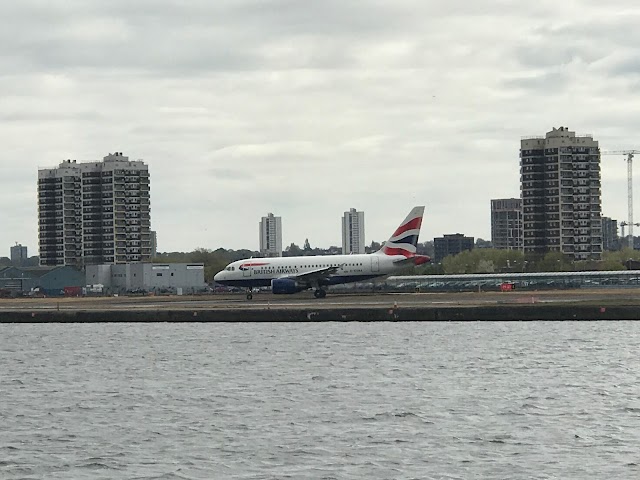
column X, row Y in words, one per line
column 600, row 304
column 444, row 314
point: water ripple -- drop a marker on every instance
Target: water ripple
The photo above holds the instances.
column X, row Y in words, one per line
column 313, row 401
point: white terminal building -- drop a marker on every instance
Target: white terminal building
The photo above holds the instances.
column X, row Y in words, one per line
column 180, row 278
column 271, row 236
column 94, row 212
column 353, row 232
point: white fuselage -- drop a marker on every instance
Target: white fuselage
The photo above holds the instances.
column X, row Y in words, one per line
column 255, row 272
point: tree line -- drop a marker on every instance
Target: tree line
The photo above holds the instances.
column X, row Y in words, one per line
column 491, row 260
column 478, row 260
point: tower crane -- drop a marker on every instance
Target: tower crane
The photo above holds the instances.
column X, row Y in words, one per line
column 624, row 224
column 629, row 154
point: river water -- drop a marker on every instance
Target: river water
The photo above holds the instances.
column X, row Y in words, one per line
column 320, row 401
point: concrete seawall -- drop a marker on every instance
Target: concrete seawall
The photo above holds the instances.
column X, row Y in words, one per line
column 347, row 313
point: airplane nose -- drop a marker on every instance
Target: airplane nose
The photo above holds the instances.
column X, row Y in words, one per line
column 217, row 277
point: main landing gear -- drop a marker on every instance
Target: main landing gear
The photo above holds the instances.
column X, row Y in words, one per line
column 249, row 294
column 320, row 293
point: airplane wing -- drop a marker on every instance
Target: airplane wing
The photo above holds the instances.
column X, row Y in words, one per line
column 315, row 275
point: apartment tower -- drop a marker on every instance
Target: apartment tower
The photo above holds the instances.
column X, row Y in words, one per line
column 506, row 223
column 560, row 186
column 353, row 232
column 271, row 236
column 94, row 212
column 19, row 255
column 610, row 238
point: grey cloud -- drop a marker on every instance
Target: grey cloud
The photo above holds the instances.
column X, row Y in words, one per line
column 548, row 55
column 548, row 82
column 177, row 38
column 230, row 174
column 307, row 108
column 624, row 67
column 180, row 37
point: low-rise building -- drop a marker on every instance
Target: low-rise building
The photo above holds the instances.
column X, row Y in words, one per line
column 180, row 278
column 451, row 244
column 46, row 280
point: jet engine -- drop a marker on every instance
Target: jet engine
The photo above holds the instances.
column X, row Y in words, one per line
column 285, row 285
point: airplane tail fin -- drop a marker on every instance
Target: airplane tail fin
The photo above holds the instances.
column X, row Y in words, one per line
column 405, row 238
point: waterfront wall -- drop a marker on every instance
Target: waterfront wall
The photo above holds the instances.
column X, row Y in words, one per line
column 375, row 314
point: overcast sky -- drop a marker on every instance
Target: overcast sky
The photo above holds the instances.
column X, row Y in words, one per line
column 306, row 109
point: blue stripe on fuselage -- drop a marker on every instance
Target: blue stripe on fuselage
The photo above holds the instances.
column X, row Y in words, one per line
column 266, row 282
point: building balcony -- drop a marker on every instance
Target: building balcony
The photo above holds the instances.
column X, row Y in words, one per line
column 49, row 213
column 50, row 192
column 45, row 227
column 49, row 251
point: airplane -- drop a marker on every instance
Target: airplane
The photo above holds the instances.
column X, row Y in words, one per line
column 287, row 275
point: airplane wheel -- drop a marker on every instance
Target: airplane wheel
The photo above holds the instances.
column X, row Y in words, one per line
column 320, row 293
column 249, row 296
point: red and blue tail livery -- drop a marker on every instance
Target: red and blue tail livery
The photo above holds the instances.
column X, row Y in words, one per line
column 405, row 239
column 295, row 274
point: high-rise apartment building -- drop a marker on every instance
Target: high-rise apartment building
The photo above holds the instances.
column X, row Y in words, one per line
column 610, row 238
column 94, row 212
column 506, row 223
column 154, row 243
column 18, row 255
column 353, row 232
column 271, row 236
column 560, row 184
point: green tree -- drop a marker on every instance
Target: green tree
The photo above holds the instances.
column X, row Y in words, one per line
column 480, row 243
column 486, row 266
column 293, row 250
column 429, row 269
column 307, row 246
column 611, row 264
column 484, row 260
column 554, row 262
column 213, row 261
column 374, row 247
column 425, row 248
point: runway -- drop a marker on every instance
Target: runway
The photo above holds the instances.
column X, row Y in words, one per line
column 304, row 301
